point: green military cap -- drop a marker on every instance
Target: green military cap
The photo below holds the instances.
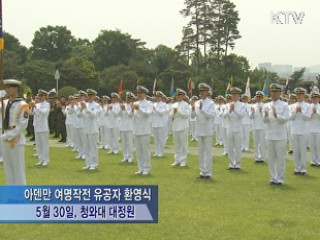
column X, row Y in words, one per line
column 300, row 90
column 204, row 87
column 91, row 92
column 159, row 94
column 11, row 82
column 315, row 94
column 181, row 92
column 259, row 94
column 42, row 92
column 130, row 95
column 82, row 93
column 235, row 90
column 142, row 89
column 115, row 95
column 275, row 87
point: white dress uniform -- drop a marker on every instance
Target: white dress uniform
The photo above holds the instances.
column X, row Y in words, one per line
column 193, row 124
column 180, row 129
column 126, row 132
column 169, row 118
column 224, row 129
column 13, row 141
column 113, row 127
column 218, row 124
column 315, row 134
column 159, row 126
column 105, row 142
column 205, row 132
column 299, row 133
column 289, row 124
column 234, row 132
column 69, row 124
column 246, row 128
column 258, row 128
column 90, row 117
column 78, row 134
column 142, row 133
column 276, row 137
column 41, row 130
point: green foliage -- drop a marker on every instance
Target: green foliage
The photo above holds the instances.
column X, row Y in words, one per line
column 67, row 91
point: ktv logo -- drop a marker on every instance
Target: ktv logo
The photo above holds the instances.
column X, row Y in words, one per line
column 287, row 17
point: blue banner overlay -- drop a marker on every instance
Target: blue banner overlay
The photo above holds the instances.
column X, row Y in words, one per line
column 79, row 204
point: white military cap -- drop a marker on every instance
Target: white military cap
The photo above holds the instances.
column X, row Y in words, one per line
column 105, row 97
column 12, row 82
column 235, row 90
column 70, row 97
column 142, row 89
column 91, row 92
column 275, row 87
column 97, row 97
column 160, row 94
column 115, row 95
column 194, row 98
column 130, row 95
column 204, row 87
column 42, row 92
column 244, row 96
column 181, row 92
column 82, row 93
column 76, row 96
column 315, row 94
column 259, row 94
column 300, row 90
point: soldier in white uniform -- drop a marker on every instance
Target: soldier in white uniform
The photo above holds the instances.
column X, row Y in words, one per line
column 113, row 123
column 142, row 110
column 180, row 114
column 16, row 115
column 89, row 112
column 205, row 111
column 126, row 128
column 258, row 128
column 218, row 121
column 103, row 121
column 159, row 124
column 225, row 125
column 169, row 128
column 234, row 114
column 41, row 112
column 69, row 121
column 276, row 115
column 292, row 100
column 246, row 125
column 315, row 129
column 193, row 119
column 300, row 114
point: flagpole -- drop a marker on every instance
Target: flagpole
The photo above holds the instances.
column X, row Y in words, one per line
column 1, row 64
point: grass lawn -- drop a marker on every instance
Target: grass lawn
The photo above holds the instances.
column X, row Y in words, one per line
column 235, row 205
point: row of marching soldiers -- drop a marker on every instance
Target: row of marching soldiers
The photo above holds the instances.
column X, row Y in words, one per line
column 90, row 119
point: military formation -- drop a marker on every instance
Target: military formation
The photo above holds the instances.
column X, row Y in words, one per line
column 88, row 123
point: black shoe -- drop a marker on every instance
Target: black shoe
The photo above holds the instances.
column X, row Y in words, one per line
column 237, row 168
column 230, row 168
column 207, row 177
column 273, row 183
column 313, row 165
column 296, row 173
column 279, row 184
column 201, row 177
column 290, row 151
column 303, row 173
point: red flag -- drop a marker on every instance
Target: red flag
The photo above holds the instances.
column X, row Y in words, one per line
column 190, row 87
column 121, row 88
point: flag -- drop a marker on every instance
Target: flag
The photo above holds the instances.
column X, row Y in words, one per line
column 121, row 88
column 172, row 91
column 1, row 30
column 190, row 87
column 265, row 88
column 248, row 91
column 154, row 87
column 229, row 85
column 286, row 88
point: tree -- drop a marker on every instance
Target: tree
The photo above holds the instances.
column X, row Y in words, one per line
column 296, row 78
column 52, row 43
column 12, row 44
column 114, row 48
column 67, row 91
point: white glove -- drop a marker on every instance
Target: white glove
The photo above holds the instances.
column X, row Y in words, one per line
column 3, row 93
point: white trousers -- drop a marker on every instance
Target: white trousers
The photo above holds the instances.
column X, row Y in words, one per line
column 42, row 146
column 289, row 136
column 79, row 140
column 245, row 136
column 205, row 155
column 315, row 148
column 104, row 136
column 69, row 133
column 193, row 130
column 142, row 143
column 127, row 144
column 299, row 147
column 218, row 130
column 225, row 140
column 114, row 136
column 181, row 146
column 14, row 164
column 277, row 159
column 234, row 149
column 159, row 134
column 259, row 144
column 91, row 150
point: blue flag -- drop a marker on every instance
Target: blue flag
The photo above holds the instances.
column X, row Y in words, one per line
column 172, row 91
column 265, row 89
